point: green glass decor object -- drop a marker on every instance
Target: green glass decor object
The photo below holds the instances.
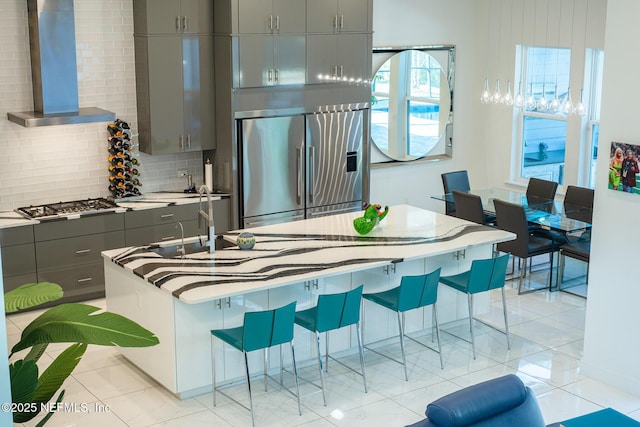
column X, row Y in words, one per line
column 246, row 240
column 373, row 214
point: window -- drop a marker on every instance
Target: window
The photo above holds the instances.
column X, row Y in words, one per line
column 542, row 132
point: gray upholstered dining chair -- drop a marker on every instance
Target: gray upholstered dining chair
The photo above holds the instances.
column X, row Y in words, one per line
column 541, row 189
column 469, row 207
column 458, row 180
column 512, row 217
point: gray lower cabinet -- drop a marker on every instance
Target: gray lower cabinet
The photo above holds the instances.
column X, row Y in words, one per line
column 155, row 225
column 68, row 252
column 18, row 256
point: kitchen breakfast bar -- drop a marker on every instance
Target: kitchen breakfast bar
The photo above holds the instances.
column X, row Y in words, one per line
column 181, row 298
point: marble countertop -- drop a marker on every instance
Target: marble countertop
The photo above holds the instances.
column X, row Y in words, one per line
column 152, row 200
column 305, row 250
column 162, row 199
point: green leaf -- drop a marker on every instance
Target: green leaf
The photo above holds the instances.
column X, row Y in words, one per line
column 76, row 323
column 24, row 380
column 53, row 377
column 36, row 352
column 31, row 295
column 46, row 418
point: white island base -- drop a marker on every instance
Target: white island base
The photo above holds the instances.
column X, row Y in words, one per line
column 170, row 297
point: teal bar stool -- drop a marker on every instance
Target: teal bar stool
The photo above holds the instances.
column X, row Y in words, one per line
column 260, row 330
column 334, row 311
column 412, row 293
column 484, row 275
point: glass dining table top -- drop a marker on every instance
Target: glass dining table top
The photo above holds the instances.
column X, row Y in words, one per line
column 549, row 214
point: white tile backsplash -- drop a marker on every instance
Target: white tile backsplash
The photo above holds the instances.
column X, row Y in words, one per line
column 59, row 163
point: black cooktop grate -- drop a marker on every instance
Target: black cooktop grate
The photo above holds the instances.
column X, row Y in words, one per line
column 65, row 208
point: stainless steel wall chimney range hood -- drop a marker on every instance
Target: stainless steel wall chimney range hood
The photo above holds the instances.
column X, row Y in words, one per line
column 52, row 42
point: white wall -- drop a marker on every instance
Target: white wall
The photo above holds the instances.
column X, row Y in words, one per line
column 485, row 33
column 69, row 162
column 430, row 22
column 612, row 347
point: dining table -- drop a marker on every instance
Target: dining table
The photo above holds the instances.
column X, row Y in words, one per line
column 554, row 215
column 548, row 214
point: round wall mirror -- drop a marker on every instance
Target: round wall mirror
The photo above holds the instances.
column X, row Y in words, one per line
column 411, row 104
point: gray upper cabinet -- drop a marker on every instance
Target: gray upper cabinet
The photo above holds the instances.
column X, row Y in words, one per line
column 338, row 16
column 270, row 61
column 174, row 82
column 173, row 16
column 344, row 56
column 271, row 17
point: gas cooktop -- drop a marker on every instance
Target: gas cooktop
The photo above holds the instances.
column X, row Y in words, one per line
column 53, row 210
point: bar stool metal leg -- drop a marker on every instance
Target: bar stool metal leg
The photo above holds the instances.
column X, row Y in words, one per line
column 295, row 376
column 246, row 366
column 506, row 322
column 213, row 370
column 404, row 359
column 360, row 347
column 435, row 317
column 324, row 397
column 473, row 341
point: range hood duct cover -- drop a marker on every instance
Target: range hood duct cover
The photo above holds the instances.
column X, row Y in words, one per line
column 52, row 43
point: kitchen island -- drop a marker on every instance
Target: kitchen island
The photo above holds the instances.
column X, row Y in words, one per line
column 182, row 299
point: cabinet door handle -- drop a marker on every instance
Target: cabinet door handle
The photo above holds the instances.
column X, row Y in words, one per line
column 85, row 280
column 168, row 238
column 167, row 215
column 342, row 71
column 278, row 23
column 83, row 251
column 335, row 22
column 335, row 71
column 185, row 24
column 341, row 21
column 188, row 140
column 276, row 75
column 181, row 142
column 271, row 23
column 270, row 75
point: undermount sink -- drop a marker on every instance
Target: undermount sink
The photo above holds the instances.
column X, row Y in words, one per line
column 171, row 250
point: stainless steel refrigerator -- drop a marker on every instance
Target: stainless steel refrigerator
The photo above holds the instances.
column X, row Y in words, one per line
column 300, row 166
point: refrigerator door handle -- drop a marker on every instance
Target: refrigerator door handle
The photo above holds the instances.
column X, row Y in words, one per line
column 312, row 173
column 299, row 175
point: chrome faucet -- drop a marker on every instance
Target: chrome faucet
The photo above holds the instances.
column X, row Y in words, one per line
column 181, row 249
column 208, row 216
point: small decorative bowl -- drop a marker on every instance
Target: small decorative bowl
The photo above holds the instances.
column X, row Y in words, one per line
column 246, row 240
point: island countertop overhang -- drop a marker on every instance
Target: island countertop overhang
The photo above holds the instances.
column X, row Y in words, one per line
column 305, row 250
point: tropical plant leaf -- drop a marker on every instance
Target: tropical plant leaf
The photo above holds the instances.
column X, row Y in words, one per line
column 46, row 418
column 53, row 377
column 75, row 323
column 24, row 380
column 36, row 352
column 31, row 295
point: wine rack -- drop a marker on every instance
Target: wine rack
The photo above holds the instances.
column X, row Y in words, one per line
column 123, row 161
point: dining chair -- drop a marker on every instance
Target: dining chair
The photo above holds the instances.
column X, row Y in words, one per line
column 334, row 311
column 483, row 276
column 512, row 217
column 469, row 207
column 541, row 189
column 413, row 292
column 578, row 204
column 259, row 331
column 579, row 250
column 458, row 180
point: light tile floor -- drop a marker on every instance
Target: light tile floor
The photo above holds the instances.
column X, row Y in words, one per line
column 546, row 346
